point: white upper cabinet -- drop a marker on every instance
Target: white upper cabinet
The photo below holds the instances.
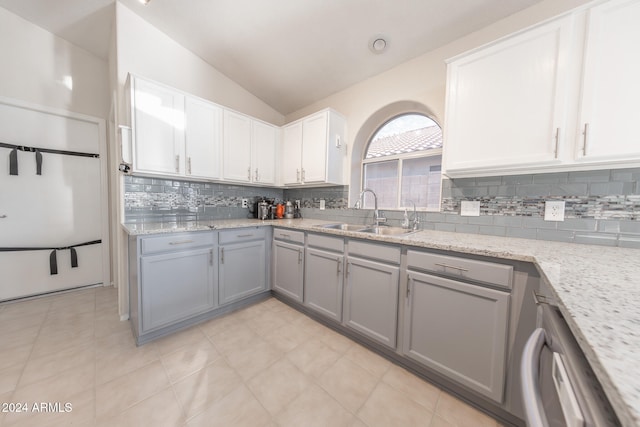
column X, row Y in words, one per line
column 158, row 128
column 250, row 148
column 314, row 150
column 558, row 96
column 203, row 138
column 610, row 113
column 265, row 148
column 237, row 147
column 506, row 102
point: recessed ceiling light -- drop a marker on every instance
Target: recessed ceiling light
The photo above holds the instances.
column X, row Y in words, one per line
column 378, row 44
column 145, row 2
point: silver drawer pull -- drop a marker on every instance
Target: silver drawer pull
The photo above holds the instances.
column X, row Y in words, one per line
column 451, row 266
column 182, row 242
column 3, row 216
column 285, row 236
column 244, row 235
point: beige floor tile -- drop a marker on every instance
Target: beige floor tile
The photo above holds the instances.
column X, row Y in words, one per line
column 61, row 340
column 313, row 357
column 368, row 360
column 295, row 332
column 189, row 359
column 238, row 408
column 280, row 340
column 174, row 341
column 13, row 356
column 412, row 387
column 348, row 383
column 233, row 338
column 389, row 407
column 18, row 337
column 438, row 421
column 336, row 342
column 206, row 386
column 460, row 414
column 118, row 341
column 117, row 361
column 250, row 361
column 265, row 322
column 47, row 366
column 123, row 392
column 250, row 312
column 220, row 324
column 314, row 407
column 278, row 385
column 61, row 386
column 9, row 378
column 25, row 309
column 108, row 322
column 159, row 410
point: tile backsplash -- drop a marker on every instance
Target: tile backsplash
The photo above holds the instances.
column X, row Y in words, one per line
column 601, row 207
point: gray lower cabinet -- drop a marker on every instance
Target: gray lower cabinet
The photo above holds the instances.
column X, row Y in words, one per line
column 323, row 281
column 176, row 286
column 371, row 299
column 458, row 329
column 288, row 261
column 242, row 264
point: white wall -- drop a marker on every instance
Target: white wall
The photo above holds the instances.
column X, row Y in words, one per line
column 148, row 52
column 36, row 62
column 423, row 79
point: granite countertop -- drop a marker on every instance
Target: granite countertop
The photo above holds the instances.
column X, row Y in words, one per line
column 597, row 289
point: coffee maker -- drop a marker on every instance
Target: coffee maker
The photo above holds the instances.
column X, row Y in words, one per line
column 263, row 208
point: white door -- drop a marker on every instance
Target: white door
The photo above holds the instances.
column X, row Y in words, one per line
column 610, row 114
column 158, row 129
column 291, row 153
column 314, row 148
column 237, row 147
column 506, row 103
column 264, row 153
column 63, row 207
column 203, row 138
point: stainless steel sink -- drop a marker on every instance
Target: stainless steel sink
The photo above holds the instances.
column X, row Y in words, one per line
column 344, row 227
column 387, row 231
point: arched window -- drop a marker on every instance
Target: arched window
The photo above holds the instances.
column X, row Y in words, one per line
column 402, row 164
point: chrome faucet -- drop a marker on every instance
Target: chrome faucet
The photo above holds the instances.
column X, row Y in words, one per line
column 377, row 217
column 416, row 220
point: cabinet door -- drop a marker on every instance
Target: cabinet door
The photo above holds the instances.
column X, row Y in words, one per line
column 291, row 153
column 158, row 128
column 506, row 102
column 314, row 148
column 371, row 300
column 264, row 153
column 610, row 115
column 242, row 269
column 288, row 261
column 467, row 344
column 203, row 138
column 175, row 286
column 237, row 147
column 323, row 281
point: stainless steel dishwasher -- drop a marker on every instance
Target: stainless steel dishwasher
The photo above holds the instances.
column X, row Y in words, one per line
column 559, row 388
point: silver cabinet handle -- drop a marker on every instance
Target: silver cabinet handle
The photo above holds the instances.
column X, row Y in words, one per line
column 178, row 163
column 529, row 367
column 557, row 140
column 257, row 176
column 210, row 256
column 339, row 262
column 249, row 173
column 181, row 242
column 285, row 236
column 585, row 133
column 408, row 286
column 221, row 255
column 297, row 175
column 3, row 216
column 244, row 235
column 189, row 164
column 451, row 266
column 302, row 174
column 299, row 256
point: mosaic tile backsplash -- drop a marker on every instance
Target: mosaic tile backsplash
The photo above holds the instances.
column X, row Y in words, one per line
column 601, row 207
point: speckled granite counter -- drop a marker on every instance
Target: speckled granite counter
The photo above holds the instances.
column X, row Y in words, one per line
column 598, row 290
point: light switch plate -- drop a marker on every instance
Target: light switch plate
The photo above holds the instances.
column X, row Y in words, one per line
column 554, row 210
column 469, row 208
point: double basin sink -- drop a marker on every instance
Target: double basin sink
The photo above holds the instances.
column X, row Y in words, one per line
column 370, row 229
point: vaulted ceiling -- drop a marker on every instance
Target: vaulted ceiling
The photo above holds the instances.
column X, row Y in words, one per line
column 289, row 53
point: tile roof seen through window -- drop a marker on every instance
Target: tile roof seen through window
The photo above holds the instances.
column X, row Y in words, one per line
column 427, row 138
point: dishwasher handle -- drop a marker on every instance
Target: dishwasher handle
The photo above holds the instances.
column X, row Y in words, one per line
column 529, row 373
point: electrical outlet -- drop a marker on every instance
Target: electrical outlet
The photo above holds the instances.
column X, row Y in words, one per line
column 245, row 203
column 554, row 210
column 322, row 205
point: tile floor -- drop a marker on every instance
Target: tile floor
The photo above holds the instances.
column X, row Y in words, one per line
column 265, row 365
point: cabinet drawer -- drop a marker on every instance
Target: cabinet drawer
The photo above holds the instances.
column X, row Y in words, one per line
column 242, row 235
column 176, row 241
column 479, row 271
column 289, row 235
column 375, row 251
column 325, row 242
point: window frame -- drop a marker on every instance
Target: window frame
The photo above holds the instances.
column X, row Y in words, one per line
column 400, row 158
